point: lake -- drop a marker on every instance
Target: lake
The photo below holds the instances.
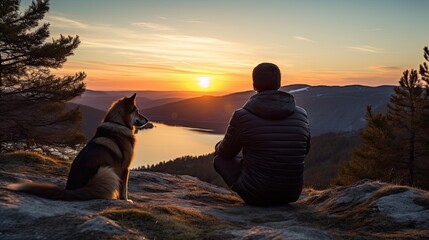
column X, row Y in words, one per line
column 164, row 142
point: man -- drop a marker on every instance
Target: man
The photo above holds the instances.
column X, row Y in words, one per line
column 274, row 138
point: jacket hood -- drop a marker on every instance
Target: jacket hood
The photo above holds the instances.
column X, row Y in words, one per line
column 272, row 105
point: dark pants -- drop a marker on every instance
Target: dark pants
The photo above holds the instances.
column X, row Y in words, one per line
column 229, row 169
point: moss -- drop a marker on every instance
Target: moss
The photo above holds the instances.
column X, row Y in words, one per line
column 34, row 163
column 213, row 198
column 170, row 222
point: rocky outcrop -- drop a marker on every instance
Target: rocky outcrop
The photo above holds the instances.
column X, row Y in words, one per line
column 181, row 207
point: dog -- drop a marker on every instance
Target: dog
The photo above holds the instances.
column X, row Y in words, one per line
column 101, row 169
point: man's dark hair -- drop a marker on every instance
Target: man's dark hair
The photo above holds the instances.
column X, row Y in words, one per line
column 266, row 76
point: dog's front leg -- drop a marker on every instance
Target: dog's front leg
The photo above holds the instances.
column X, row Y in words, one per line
column 123, row 195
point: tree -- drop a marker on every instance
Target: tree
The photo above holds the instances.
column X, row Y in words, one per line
column 404, row 111
column 424, row 68
column 395, row 145
column 423, row 169
column 32, row 99
column 375, row 158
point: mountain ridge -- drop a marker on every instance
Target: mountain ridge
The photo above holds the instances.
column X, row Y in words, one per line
column 329, row 108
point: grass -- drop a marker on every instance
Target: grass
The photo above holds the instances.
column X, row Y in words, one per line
column 170, row 222
column 34, row 163
column 208, row 198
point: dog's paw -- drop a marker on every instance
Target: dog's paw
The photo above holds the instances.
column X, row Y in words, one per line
column 129, row 201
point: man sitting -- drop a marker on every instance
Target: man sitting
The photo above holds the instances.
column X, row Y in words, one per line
column 262, row 154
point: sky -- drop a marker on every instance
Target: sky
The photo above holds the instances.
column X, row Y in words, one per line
column 213, row 46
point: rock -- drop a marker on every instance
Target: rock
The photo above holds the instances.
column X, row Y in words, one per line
column 403, row 208
column 101, row 224
column 58, row 151
column 181, row 207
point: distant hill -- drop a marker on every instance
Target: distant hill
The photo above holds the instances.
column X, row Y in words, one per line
column 102, row 100
column 91, row 118
column 208, row 112
column 338, row 109
column 330, row 108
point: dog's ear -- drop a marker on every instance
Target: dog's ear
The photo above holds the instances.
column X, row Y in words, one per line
column 133, row 97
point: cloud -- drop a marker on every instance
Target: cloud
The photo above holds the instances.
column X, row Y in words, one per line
column 113, row 53
column 192, row 21
column 365, row 48
column 164, row 48
column 303, row 39
column 384, row 68
column 153, row 26
column 58, row 21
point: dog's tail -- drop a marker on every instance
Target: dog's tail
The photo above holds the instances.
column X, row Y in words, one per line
column 104, row 185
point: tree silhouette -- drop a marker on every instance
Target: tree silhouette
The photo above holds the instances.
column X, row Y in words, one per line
column 375, row 158
column 404, row 109
column 424, row 68
column 424, row 120
column 396, row 142
column 32, row 100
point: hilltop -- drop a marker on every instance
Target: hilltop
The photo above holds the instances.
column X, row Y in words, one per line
column 181, row 207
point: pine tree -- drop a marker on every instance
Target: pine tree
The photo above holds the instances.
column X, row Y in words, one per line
column 424, row 68
column 32, row 100
column 375, row 157
column 423, row 167
column 397, row 142
column 404, row 111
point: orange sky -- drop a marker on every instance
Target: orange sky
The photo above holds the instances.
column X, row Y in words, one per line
column 170, row 45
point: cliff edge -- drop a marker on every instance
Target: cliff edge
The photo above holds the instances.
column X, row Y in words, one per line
column 182, row 207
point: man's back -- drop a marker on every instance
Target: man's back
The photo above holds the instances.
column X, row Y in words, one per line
column 274, row 136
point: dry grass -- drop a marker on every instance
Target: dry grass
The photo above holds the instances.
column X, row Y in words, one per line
column 210, row 198
column 170, row 222
column 33, row 163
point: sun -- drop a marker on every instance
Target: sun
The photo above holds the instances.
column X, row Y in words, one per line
column 204, row 82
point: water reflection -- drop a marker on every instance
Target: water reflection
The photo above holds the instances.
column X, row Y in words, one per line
column 164, row 142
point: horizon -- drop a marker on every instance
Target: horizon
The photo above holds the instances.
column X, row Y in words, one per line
column 151, row 46
column 227, row 92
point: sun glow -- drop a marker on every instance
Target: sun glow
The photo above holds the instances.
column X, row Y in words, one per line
column 204, row 82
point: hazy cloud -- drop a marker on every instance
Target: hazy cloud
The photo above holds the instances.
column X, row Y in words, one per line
column 65, row 22
column 153, row 26
column 192, row 21
column 117, row 51
column 365, row 48
column 171, row 49
column 384, row 68
column 301, row 38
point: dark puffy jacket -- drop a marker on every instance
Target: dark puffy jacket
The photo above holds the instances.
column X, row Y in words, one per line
column 274, row 136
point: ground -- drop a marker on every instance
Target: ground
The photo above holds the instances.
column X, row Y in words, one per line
column 181, row 207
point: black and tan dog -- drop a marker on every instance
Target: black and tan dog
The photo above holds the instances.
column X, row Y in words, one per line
column 101, row 169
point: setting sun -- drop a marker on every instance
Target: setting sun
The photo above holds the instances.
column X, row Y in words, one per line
column 204, row 82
